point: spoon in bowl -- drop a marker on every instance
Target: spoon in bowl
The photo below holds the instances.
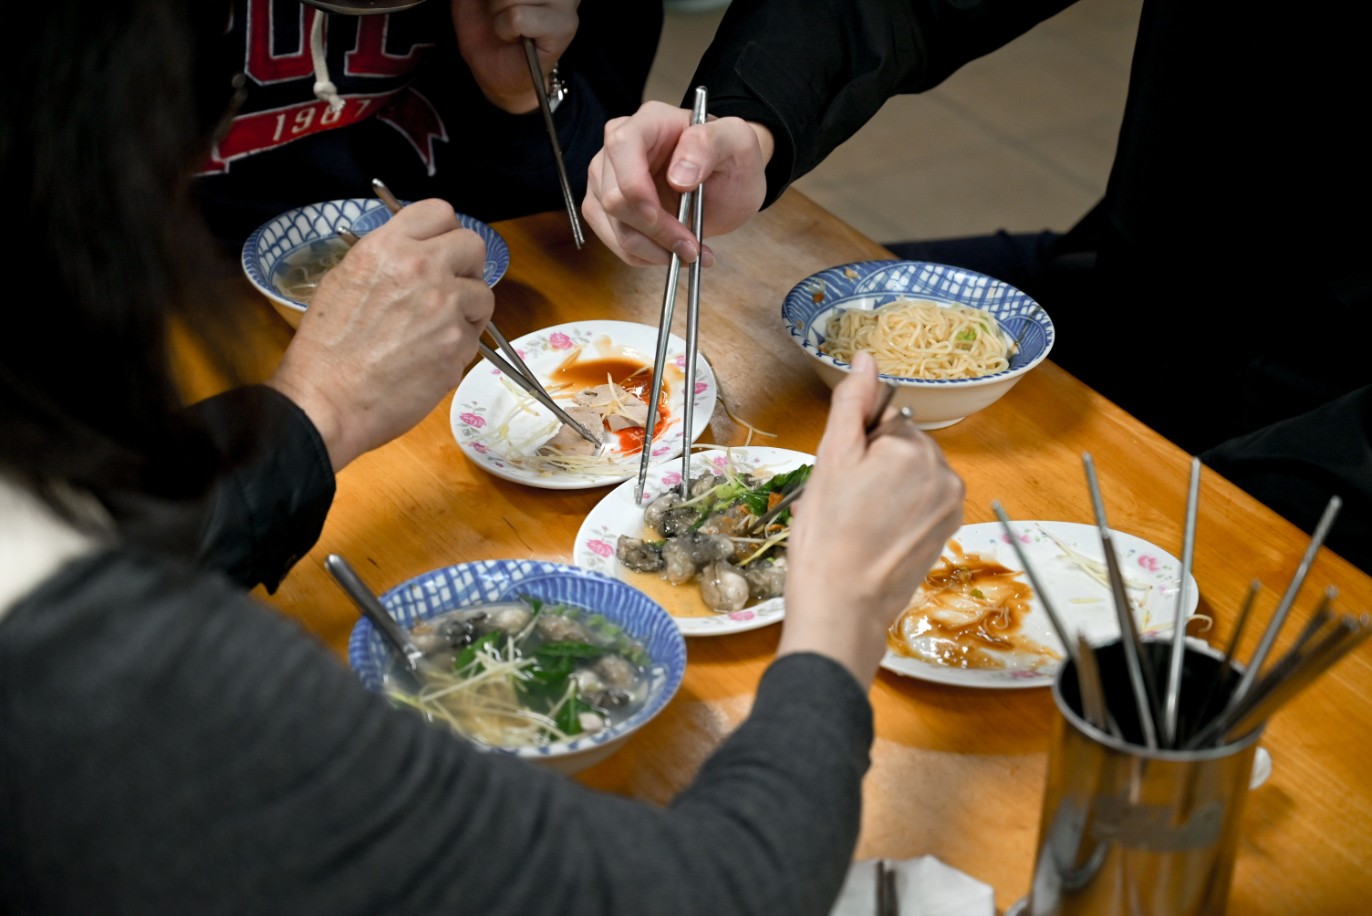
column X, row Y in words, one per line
column 408, row 654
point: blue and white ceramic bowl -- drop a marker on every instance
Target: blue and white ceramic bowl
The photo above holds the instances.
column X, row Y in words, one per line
column 870, row 284
column 493, row 581
column 297, row 233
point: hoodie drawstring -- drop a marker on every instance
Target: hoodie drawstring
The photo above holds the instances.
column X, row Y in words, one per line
column 324, row 89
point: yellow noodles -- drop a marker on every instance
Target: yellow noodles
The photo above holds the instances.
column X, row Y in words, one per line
column 916, row 338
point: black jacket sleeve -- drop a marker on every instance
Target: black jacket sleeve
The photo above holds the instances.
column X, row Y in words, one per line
column 814, row 71
column 268, row 509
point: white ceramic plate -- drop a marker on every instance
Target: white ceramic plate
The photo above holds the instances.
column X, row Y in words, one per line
column 1084, row 604
column 500, row 427
column 618, row 514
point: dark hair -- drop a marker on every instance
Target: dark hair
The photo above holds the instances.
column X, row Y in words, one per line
column 105, row 112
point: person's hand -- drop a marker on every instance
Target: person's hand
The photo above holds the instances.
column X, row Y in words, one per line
column 872, row 522
column 490, row 38
column 636, row 180
column 389, row 331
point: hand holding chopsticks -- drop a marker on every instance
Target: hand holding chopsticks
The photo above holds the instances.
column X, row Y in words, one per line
column 691, row 204
column 874, row 428
column 511, row 364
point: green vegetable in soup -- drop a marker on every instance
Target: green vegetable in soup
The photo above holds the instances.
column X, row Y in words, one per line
column 533, row 673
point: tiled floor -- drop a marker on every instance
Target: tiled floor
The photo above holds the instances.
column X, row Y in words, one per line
column 1021, row 139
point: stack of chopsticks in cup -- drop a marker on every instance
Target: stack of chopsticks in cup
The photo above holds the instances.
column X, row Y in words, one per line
column 1241, row 699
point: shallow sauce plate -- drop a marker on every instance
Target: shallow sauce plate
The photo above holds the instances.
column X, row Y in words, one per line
column 1083, row 603
column 499, row 427
column 618, row 514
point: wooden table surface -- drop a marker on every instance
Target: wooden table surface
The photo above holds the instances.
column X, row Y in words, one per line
column 957, row 773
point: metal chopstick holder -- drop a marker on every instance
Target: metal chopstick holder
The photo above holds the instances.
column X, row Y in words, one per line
column 536, row 72
column 514, row 368
column 664, row 333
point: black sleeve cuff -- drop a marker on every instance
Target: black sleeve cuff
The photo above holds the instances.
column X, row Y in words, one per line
column 268, row 508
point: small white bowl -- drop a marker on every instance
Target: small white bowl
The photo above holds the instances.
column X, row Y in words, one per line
column 294, row 235
column 870, row 284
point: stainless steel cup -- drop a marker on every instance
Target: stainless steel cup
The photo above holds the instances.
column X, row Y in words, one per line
column 1128, row 830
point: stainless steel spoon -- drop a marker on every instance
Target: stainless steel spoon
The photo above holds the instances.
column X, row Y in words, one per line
column 371, row 607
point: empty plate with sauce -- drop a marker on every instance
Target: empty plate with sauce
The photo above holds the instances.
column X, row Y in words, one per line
column 976, row 621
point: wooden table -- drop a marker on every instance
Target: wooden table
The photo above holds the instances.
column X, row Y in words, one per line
column 956, row 773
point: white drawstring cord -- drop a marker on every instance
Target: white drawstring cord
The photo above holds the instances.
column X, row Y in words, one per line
column 324, row 89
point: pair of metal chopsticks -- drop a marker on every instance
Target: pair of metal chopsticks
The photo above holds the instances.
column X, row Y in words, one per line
column 874, row 428
column 513, row 366
column 535, row 71
column 692, row 204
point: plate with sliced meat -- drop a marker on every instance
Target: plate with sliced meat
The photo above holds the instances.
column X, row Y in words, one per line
column 600, row 372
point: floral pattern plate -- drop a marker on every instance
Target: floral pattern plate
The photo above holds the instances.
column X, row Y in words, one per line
column 618, row 514
column 1152, row 578
column 500, row 427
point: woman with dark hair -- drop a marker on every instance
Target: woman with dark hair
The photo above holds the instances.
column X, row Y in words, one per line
column 170, row 745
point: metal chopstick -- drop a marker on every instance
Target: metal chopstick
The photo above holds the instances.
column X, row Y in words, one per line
column 692, row 315
column 1093, row 702
column 664, row 333
column 1079, row 651
column 1068, row 644
column 1173, row 696
column 390, row 200
column 1224, row 672
column 514, row 367
column 888, row 899
column 1292, row 674
column 536, row 71
column 1319, row 659
column 1140, row 675
column 538, row 393
column 1269, row 636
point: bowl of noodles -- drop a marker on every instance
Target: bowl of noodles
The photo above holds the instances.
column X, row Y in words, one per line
column 547, row 662
column 287, row 256
column 952, row 341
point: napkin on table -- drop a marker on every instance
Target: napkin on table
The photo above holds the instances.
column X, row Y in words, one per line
column 925, row 886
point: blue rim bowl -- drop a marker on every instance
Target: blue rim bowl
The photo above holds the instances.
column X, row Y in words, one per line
column 492, row 581
column 870, row 284
column 282, row 237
